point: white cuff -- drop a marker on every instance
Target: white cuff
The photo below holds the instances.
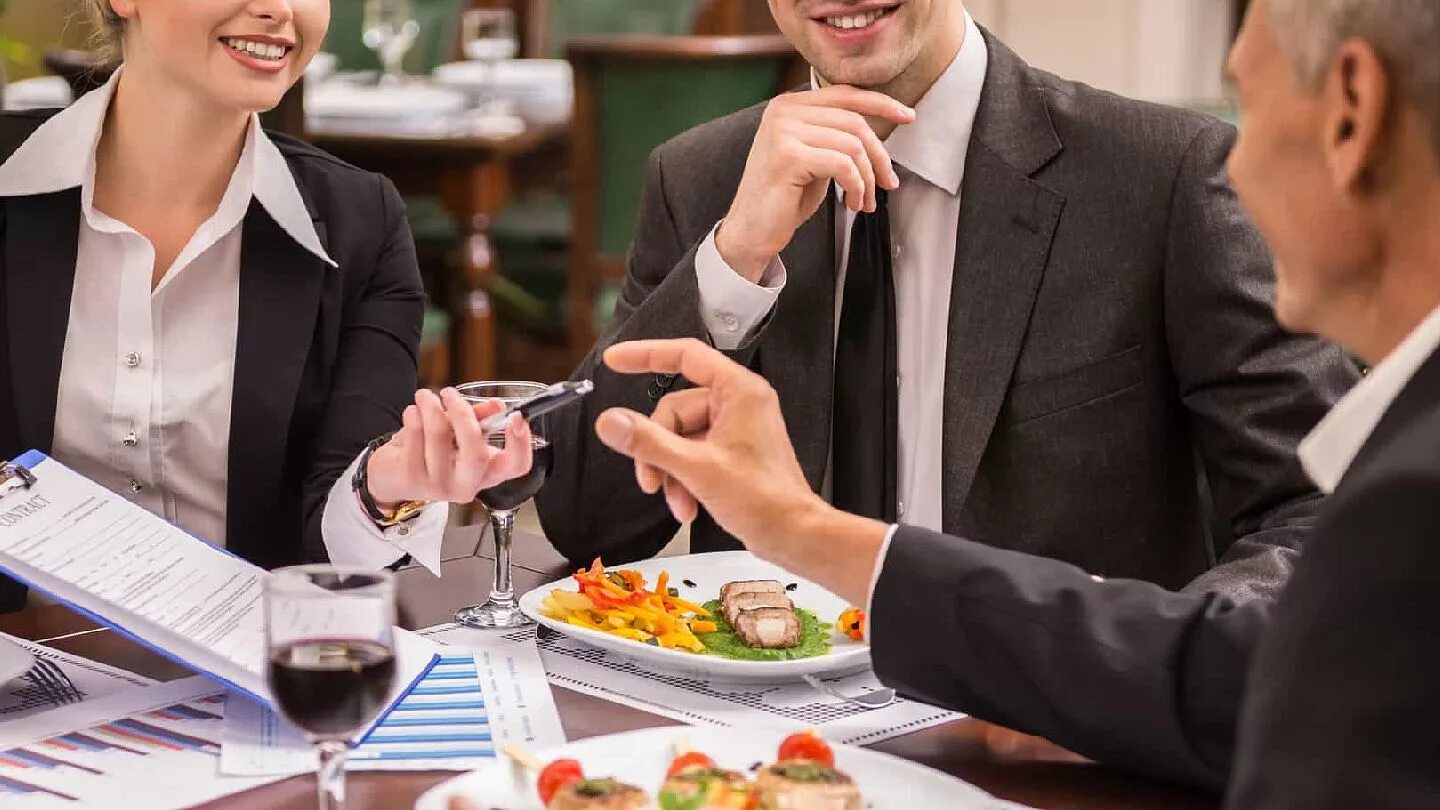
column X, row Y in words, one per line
column 875, row 579
column 730, row 306
column 352, row 538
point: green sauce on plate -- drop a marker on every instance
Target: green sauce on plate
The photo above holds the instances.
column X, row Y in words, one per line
column 814, row 639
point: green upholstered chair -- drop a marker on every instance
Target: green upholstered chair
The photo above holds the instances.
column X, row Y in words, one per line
column 533, row 233
column 632, row 94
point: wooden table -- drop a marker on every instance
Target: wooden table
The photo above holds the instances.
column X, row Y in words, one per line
column 1010, row 765
column 474, row 177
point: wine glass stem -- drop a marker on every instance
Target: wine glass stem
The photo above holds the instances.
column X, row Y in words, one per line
column 330, row 779
column 502, row 591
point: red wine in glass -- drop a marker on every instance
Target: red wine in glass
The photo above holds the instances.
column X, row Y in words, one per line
column 510, row 495
column 331, row 688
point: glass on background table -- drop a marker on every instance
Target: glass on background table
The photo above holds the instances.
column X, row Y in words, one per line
column 501, row 610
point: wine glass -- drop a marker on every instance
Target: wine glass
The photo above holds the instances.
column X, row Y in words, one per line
column 390, row 30
column 501, row 500
column 331, row 658
column 489, row 38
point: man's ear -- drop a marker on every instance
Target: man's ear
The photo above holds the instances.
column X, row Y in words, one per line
column 1356, row 95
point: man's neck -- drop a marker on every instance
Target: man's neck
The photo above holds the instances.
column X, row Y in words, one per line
column 165, row 148
column 1405, row 292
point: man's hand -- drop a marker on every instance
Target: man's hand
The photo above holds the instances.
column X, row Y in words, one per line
column 441, row 454
column 806, row 140
column 724, row 444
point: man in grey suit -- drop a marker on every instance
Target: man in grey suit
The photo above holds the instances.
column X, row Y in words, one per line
column 1024, row 312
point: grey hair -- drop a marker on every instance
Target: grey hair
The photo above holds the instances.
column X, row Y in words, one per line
column 1405, row 33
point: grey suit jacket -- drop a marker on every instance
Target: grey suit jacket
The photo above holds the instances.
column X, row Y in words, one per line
column 1111, row 347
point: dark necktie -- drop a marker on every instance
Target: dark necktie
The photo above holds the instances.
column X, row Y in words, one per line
column 866, row 406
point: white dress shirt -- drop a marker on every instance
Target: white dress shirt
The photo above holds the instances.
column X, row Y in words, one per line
column 147, row 375
column 929, row 156
column 1327, row 452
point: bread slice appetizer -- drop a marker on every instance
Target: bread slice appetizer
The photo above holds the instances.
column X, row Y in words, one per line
column 761, row 614
column 694, row 782
column 805, row 778
column 562, row 785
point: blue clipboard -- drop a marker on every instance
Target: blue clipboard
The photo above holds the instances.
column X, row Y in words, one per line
column 19, row 474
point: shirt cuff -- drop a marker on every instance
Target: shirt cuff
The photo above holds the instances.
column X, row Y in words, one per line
column 730, row 306
column 875, row 578
column 352, row 538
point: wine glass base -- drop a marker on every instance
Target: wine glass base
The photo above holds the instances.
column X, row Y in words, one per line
column 492, row 616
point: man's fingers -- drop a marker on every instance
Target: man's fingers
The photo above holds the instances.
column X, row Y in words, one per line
column 853, row 148
column 865, row 102
column 697, row 362
column 627, row 432
column 856, row 125
column 682, row 504
column 683, row 413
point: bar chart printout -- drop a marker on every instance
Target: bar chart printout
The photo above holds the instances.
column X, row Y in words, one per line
column 165, row 756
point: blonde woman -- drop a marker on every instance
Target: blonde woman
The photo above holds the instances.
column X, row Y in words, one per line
column 218, row 323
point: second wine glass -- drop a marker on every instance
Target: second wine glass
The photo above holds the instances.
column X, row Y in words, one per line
column 501, row 610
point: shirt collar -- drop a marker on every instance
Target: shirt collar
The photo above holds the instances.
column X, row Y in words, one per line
column 935, row 147
column 1330, row 448
column 60, row 155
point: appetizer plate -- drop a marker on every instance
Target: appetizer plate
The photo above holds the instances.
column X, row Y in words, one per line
column 708, row 572
column 641, row 757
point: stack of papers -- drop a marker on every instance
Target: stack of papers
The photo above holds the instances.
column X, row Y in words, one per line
column 486, row 691
column 146, row 747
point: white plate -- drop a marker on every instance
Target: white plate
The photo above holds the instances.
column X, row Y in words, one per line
column 14, row 661
column 641, row 757
column 709, row 572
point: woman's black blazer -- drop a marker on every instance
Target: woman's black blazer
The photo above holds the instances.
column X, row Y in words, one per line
column 325, row 358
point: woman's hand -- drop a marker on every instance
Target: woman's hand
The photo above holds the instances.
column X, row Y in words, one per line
column 441, row 454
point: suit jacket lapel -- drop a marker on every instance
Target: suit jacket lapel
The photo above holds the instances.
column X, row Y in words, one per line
column 280, row 295
column 797, row 352
column 41, row 243
column 1007, row 224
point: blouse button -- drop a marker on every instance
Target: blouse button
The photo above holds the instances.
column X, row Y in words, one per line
column 130, row 439
column 132, row 360
column 136, row 486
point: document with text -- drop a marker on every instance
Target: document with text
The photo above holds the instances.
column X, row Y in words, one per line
column 134, row 572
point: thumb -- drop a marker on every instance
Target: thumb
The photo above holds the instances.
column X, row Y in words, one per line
column 627, row 432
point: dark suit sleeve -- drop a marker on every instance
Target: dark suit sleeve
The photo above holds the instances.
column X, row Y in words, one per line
column 1251, row 389
column 1342, row 710
column 591, row 505
column 374, row 375
column 1121, row 671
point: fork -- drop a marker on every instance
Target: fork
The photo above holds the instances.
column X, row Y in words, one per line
column 874, row 699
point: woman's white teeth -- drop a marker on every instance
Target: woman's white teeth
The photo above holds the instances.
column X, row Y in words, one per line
column 259, row 50
column 855, row 20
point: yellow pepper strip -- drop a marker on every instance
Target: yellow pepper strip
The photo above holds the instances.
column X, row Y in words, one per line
column 583, row 620
column 636, row 635
column 703, row 627
column 686, row 606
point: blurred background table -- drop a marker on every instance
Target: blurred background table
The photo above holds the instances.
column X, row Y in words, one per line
column 1013, row 766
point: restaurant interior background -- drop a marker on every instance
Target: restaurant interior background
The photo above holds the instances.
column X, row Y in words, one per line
column 518, row 130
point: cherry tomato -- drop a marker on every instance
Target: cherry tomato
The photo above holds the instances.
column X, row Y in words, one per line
column 687, row 761
column 808, row 746
column 852, row 623
column 557, row 775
